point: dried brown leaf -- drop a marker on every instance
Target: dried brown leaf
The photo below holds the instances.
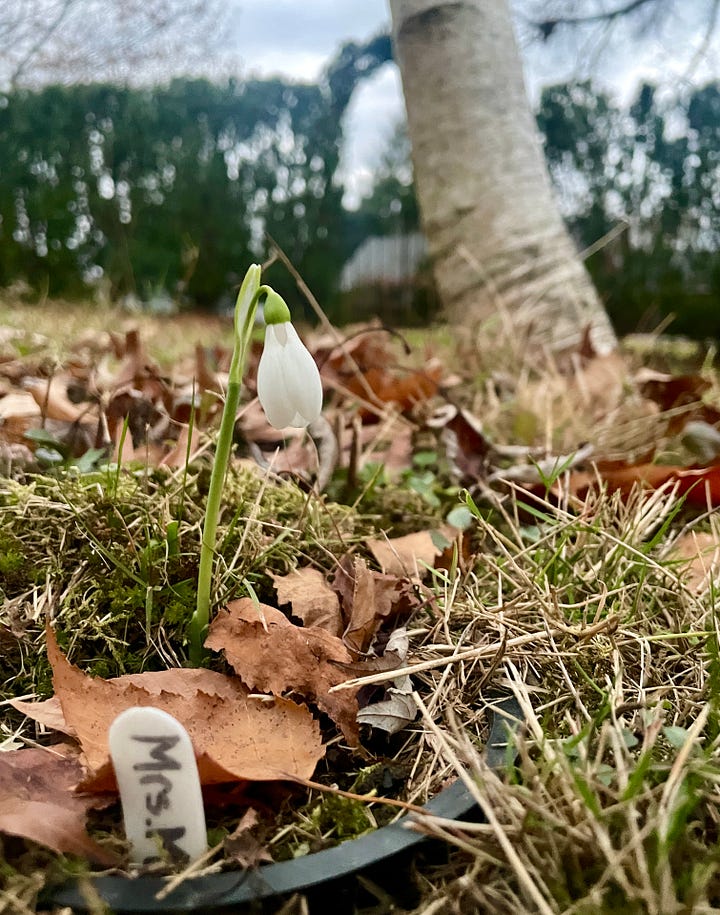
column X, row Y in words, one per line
column 369, row 599
column 137, row 369
column 273, row 655
column 699, row 485
column 700, row 551
column 235, row 737
column 207, row 378
column 466, row 446
column 393, row 655
column 49, row 713
column 394, row 712
column 406, row 556
column 18, row 413
column 670, row 391
column 406, row 388
column 599, row 383
column 37, row 802
column 187, row 444
column 311, row 598
column 242, row 847
column 51, row 397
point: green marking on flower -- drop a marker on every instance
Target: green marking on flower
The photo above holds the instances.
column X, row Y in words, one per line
column 275, row 310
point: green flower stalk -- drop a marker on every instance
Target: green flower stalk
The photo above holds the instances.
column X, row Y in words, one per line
column 290, row 391
column 245, row 309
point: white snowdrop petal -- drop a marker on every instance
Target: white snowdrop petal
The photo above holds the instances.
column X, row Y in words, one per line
column 307, row 392
column 271, row 384
column 278, row 412
column 288, row 384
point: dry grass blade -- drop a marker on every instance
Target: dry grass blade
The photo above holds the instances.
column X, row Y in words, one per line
column 528, row 882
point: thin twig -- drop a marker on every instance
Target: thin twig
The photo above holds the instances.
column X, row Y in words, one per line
column 547, row 26
column 705, row 43
column 470, row 654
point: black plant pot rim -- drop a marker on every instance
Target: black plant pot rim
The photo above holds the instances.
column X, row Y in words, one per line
column 232, row 888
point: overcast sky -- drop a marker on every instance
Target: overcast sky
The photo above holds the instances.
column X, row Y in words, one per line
column 298, row 37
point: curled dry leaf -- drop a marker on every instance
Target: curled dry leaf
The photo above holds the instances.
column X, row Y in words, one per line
column 88, row 402
column 598, row 383
column 18, row 413
column 311, row 598
column 394, row 712
column 673, row 392
column 242, row 847
column 51, row 396
column 467, row 447
column 670, row 391
column 699, row 485
column 235, row 737
column 369, row 599
column 393, row 656
column 366, row 366
column 48, row 713
column 271, row 654
column 37, row 802
column 404, row 388
column 187, row 444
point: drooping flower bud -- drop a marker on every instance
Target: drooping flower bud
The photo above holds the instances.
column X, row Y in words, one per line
column 288, row 381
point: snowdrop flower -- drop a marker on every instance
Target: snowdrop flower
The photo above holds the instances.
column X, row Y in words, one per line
column 288, row 380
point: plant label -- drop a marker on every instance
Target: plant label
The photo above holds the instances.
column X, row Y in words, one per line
column 159, row 785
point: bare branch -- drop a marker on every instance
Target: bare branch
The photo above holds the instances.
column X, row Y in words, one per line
column 42, row 39
column 546, row 27
column 705, row 43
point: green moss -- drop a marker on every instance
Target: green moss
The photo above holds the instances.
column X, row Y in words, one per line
column 341, row 817
column 115, row 555
column 382, row 777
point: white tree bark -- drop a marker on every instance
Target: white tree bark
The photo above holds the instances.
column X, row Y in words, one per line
column 496, row 238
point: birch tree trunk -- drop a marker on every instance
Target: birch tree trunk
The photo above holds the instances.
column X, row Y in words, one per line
column 499, row 246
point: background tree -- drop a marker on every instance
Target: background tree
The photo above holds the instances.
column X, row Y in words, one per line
column 166, row 187
column 492, row 225
column 175, row 186
column 653, row 168
column 391, row 207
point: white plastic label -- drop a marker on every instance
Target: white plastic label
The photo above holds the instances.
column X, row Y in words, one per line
column 159, row 785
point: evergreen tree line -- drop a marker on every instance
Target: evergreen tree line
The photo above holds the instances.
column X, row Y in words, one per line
column 653, row 167
column 177, row 188
column 164, row 187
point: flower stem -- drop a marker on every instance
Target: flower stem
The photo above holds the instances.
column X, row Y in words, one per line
column 244, row 319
